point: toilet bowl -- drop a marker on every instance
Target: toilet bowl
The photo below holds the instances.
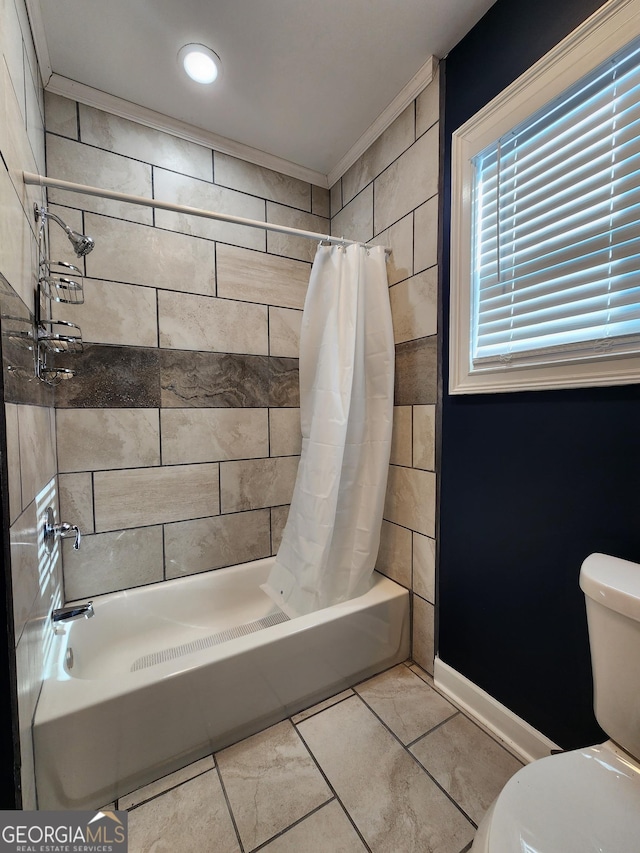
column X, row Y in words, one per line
column 586, row 800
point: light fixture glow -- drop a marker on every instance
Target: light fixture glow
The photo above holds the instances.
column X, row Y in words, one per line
column 200, row 62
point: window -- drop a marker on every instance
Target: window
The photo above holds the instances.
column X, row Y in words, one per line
column 546, row 286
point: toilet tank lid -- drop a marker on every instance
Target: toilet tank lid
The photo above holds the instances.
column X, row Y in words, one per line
column 612, row 582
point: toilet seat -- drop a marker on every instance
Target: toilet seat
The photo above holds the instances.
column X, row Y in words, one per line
column 584, row 801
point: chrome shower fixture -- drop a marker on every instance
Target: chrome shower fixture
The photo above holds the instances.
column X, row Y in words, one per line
column 82, row 244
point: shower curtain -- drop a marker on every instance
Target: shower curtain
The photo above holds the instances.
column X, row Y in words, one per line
column 330, row 542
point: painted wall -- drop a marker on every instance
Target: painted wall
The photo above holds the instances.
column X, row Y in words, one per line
column 390, row 196
column 28, row 405
column 531, row 483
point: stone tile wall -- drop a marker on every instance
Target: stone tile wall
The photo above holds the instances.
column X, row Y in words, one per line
column 390, row 196
column 28, row 405
column 178, row 440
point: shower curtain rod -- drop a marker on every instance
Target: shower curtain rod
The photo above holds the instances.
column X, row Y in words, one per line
column 55, row 183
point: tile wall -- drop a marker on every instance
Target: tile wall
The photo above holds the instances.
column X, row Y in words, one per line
column 390, row 196
column 178, row 441
column 28, row 405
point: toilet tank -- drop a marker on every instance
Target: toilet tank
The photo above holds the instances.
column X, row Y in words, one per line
column 612, row 590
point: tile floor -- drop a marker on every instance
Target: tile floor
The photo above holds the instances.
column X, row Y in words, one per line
column 388, row 767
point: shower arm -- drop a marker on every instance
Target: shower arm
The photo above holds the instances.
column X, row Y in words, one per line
column 55, row 183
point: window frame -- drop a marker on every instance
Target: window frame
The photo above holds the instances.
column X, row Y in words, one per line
column 607, row 31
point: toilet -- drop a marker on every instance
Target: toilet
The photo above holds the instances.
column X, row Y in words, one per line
column 586, row 800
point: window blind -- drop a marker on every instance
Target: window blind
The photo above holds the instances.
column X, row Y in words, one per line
column 556, row 268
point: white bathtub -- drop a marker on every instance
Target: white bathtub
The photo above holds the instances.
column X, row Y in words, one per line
column 156, row 684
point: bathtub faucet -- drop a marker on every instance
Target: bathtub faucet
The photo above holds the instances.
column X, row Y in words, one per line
column 74, row 611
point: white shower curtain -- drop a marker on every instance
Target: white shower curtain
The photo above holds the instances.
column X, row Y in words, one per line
column 330, row 542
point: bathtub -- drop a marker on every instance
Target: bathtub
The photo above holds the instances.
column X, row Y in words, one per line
column 166, row 674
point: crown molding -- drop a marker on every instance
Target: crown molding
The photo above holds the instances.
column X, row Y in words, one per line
column 407, row 94
column 91, row 97
column 34, row 11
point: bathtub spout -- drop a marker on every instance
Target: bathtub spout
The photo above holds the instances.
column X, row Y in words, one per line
column 74, row 611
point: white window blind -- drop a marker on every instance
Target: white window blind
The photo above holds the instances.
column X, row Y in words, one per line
column 556, row 225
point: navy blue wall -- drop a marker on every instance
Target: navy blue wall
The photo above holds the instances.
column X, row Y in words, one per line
column 531, row 483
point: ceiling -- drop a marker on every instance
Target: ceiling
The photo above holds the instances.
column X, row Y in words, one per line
column 302, row 81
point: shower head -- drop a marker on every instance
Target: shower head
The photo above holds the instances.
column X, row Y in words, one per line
column 82, row 244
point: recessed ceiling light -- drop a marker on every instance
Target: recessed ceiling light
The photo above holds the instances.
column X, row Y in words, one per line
column 200, row 62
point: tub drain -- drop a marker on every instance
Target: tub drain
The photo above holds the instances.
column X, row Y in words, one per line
column 208, row 642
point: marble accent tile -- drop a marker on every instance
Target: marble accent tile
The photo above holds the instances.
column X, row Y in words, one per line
column 256, row 277
column 388, row 147
column 131, row 139
column 279, row 515
column 394, row 555
column 321, row 706
column 428, row 105
column 211, row 543
column 320, row 201
column 399, row 238
column 91, row 439
column 24, row 567
column 121, row 314
column 401, row 447
column 424, row 567
column 424, row 438
column 284, row 382
column 148, row 792
column 468, row 763
column 216, row 325
column 285, row 437
column 410, row 500
column 206, row 379
column 326, row 831
column 405, row 703
column 178, row 821
column 284, row 331
column 253, row 484
column 60, row 115
column 13, row 461
column 209, row 435
column 181, row 189
column 107, row 562
column 37, row 450
column 75, row 493
column 414, row 306
column 257, row 180
column 173, row 493
column 335, row 197
column 108, row 376
column 423, row 633
column 425, row 253
column 408, row 182
column 294, row 247
column 355, row 220
column 137, row 254
column 83, row 164
column 416, row 373
column 394, row 804
column 271, row 781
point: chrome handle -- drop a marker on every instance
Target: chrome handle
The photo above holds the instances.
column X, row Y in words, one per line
column 63, row 530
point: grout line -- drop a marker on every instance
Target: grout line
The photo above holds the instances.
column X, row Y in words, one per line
column 228, row 802
column 456, row 713
column 291, row 825
column 326, row 778
column 320, row 710
column 161, row 793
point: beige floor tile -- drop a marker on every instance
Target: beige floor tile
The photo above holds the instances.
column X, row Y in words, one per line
column 326, row 831
column 141, row 795
column 394, row 804
column 193, row 816
column 468, row 764
column 315, row 709
column 405, row 703
column 271, row 782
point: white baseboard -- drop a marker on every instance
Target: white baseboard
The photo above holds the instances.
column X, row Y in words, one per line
column 518, row 735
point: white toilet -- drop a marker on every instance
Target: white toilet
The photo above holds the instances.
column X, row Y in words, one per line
column 586, row 800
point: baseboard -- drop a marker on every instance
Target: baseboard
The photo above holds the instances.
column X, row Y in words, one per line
column 523, row 739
